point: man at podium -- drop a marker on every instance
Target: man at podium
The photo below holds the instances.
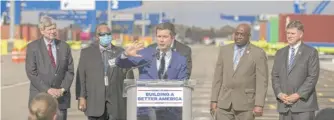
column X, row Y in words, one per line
column 157, row 63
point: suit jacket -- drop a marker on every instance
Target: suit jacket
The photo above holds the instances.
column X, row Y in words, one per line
column 90, row 82
column 301, row 79
column 244, row 88
column 177, row 69
column 43, row 76
column 183, row 50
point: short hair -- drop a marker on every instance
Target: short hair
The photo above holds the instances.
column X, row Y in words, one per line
column 98, row 26
column 295, row 24
column 166, row 26
column 45, row 21
column 43, row 107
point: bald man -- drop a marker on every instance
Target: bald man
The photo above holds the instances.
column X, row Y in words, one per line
column 240, row 80
column 99, row 82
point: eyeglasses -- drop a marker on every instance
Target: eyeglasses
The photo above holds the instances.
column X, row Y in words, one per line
column 103, row 34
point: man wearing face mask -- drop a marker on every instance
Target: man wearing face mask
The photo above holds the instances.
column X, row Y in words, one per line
column 99, row 82
column 49, row 66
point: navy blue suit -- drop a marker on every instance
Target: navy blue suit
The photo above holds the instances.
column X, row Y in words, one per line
column 177, row 70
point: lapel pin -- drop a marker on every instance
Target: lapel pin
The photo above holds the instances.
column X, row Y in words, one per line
column 299, row 53
column 247, row 51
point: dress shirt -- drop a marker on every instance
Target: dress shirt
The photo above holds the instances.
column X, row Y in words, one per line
column 53, row 48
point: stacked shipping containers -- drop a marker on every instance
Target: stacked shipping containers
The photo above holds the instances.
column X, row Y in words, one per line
column 319, row 29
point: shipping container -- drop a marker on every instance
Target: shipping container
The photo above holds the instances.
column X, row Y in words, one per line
column 18, row 33
column 274, row 22
column 25, row 32
column 317, row 28
column 35, row 34
column 263, row 30
column 5, row 32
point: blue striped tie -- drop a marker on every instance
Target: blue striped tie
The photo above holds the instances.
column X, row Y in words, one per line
column 292, row 58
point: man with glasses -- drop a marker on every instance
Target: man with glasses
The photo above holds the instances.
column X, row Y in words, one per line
column 99, row 82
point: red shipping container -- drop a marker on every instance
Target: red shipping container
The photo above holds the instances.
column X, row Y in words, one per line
column 317, row 28
column 18, row 33
column 5, row 32
column 263, row 30
column 35, row 34
column 25, row 32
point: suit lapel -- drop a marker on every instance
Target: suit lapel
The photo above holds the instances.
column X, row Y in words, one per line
column 297, row 57
column 45, row 54
column 154, row 68
column 112, row 56
column 285, row 59
column 230, row 58
column 58, row 54
column 169, row 70
column 96, row 54
column 243, row 58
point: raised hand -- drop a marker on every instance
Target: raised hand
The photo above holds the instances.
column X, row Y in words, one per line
column 132, row 49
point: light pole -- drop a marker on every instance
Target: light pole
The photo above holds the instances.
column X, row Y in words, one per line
column 109, row 15
column 12, row 20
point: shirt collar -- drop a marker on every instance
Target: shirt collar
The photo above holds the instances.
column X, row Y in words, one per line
column 236, row 47
column 104, row 48
column 296, row 46
column 47, row 41
column 168, row 53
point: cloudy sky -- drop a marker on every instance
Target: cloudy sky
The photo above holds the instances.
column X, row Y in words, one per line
column 207, row 13
column 204, row 13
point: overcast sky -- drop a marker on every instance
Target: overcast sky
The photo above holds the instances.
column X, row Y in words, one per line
column 207, row 13
column 204, row 14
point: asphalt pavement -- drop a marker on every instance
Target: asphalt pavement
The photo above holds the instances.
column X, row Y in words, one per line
column 15, row 87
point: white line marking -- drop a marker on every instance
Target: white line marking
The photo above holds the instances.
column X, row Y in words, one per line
column 14, row 85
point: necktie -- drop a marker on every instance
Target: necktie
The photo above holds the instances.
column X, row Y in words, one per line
column 105, row 61
column 162, row 66
column 53, row 63
column 292, row 58
column 237, row 58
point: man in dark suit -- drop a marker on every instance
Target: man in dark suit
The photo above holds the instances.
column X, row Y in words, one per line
column 294, row 76
column 182, row 49
column 99, row 82
column 157, row 63
column 49, row 66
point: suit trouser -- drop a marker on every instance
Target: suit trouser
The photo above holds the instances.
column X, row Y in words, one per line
column 105, row 115
column 297, row 115
column 231, row 114
column 62, row 114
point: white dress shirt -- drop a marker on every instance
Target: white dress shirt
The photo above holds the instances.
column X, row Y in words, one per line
column 53, row 48
column 296, row 47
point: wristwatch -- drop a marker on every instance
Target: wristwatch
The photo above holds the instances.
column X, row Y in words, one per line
column 62, row 90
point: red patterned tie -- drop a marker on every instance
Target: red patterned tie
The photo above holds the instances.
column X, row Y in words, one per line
column 51, row 56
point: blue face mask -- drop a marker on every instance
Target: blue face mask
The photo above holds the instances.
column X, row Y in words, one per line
column 105, row 40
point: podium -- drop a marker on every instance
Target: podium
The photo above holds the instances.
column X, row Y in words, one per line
column 156, row 94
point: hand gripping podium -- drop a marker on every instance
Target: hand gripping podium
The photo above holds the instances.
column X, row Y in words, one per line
column 158, row 95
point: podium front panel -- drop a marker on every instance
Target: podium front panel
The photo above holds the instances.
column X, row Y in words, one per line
column 147, row 103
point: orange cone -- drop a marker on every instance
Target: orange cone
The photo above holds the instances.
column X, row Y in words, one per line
column 22, row 56
column 15, row 56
